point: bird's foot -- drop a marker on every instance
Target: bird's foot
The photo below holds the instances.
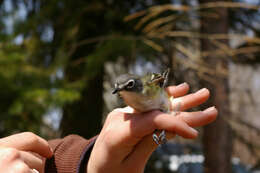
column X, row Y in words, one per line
column 161, row 139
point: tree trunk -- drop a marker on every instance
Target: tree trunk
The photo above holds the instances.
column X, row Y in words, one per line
column 217, row 137
column 84, row 116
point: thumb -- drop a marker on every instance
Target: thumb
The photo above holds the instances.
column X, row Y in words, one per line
column 28, row 141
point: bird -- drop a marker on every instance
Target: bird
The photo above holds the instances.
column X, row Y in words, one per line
column 146, row 93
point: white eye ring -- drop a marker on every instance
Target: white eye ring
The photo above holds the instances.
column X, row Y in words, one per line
column 130, row 83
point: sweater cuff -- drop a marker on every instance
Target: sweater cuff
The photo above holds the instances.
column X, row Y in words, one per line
column 70, row 154
column 83, row 162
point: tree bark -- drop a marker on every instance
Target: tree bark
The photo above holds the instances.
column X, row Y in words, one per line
column 84, row 117
column 217, row 137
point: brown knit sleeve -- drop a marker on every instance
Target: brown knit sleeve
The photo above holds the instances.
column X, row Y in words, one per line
column 70, row 155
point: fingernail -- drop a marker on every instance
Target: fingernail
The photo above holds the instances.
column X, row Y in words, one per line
column 51, row 150
column 194, row 131
column 182, row 85
column 211, row 110
column 202, row 90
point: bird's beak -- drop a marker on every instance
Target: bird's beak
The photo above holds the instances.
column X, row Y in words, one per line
column 117, row 89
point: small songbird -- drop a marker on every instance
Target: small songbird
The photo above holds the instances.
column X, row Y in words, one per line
column 145, row 93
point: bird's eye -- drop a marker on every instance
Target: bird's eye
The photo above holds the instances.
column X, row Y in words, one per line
column 130, row 83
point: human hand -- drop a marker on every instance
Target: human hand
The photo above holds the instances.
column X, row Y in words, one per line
column 125, row 142
column 23, row 152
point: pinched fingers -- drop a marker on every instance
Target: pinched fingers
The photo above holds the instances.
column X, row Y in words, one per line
column 126, row 138
column 161, row 121
column 192, row 119
column 146, row 146
column 149, row 122
column 196, row 119
column 181, row 124
column 140, row 126
column 134, row 127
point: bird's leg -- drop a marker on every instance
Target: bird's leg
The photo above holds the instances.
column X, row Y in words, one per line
column 156, row 138
column 161, row 139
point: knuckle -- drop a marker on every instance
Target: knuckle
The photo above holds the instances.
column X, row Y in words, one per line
column 154, row 119
column 11, row 153
column 107, row 132
column 180, row 117
column 110, row 116
column 113, row 116
column 108, row 137
column 31, row 137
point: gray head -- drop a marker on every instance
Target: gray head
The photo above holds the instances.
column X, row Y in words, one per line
column 128, row 82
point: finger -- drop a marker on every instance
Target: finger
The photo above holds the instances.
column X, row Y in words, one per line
column 20, row 166
column 27, row 141
column 191, row 100
column 146, row 124
column 200, row 118
column 146, row 146
column 196, row 119
column 143, row 151
column 179, row 90
column 31, row 160
column 134, row 128
column 173, row 124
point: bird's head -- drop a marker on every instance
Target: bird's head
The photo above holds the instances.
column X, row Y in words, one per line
column 128, row 82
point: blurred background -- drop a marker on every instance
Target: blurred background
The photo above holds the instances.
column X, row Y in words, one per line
column 59, row 59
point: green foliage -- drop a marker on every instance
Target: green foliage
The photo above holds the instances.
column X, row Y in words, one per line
column 63, row 96
column 27, row 90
